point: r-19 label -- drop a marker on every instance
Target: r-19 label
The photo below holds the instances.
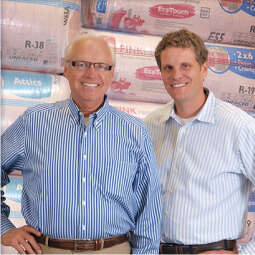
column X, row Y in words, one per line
column 35, row 45
column 248, row 90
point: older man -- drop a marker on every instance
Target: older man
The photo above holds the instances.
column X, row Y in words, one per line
column 90, row 179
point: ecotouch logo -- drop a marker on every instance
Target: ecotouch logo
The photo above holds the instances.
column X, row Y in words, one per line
column 173, row 11
column 148, row 73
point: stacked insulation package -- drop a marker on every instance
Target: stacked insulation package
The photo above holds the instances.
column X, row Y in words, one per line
column 35, row 34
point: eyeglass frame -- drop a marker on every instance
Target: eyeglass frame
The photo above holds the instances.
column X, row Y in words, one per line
column 90, row 63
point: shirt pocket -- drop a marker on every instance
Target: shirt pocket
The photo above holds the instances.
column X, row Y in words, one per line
column 116, row 179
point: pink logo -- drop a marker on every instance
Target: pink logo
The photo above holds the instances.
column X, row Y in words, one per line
column 118, row 86
column 129, row 110
column 173, row 11
column 148, row 73
column 131, row 24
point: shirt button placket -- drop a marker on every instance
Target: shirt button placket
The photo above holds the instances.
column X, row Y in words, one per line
column 84, row 179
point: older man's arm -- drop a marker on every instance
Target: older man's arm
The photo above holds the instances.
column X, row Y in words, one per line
column 145, row 238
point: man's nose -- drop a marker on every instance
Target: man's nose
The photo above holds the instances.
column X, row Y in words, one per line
column 91, row 71
column 176, row 74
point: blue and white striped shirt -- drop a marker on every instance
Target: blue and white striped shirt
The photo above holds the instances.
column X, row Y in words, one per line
column 207, row 171
column 85, row 183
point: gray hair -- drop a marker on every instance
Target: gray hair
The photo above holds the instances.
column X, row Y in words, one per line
column 84, row 36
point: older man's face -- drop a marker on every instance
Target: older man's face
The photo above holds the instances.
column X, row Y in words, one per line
column 89, row 86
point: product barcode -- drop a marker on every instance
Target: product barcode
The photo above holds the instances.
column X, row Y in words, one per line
column 205, row 13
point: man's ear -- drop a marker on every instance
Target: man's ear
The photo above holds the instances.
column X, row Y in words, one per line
column 113, row 70
column 204, row 69
column 65, row 69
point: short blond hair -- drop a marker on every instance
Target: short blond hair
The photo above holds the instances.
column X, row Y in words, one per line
column 182, row 39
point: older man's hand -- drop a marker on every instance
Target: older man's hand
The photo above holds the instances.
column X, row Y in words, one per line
column 22, row 240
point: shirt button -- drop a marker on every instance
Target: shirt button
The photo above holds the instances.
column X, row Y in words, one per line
column 175, row 170
column 184, row 130
column 83, row 227
column 84, row 157
column 166, row 234
column 80, row 113
column 84, row 203
column 83, row 179
column 166, row 212
column 96, row 122
column 85, row 133
column 179, row 149
column 170, row 191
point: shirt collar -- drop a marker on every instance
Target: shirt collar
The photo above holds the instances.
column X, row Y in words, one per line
column 77, row 115
column 75, row 112
column 206, row 114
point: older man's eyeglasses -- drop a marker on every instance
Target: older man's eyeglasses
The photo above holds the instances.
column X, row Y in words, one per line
column 85, row 65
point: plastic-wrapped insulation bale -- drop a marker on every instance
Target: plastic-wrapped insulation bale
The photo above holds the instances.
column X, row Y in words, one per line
column 137, row 109
column 36, row 33
column 231, row 74
column 222, row 21
column 137, row 77
column 21, row 90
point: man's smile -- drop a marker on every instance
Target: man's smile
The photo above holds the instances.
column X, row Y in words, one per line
column 178, row 85
column 89, row 85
